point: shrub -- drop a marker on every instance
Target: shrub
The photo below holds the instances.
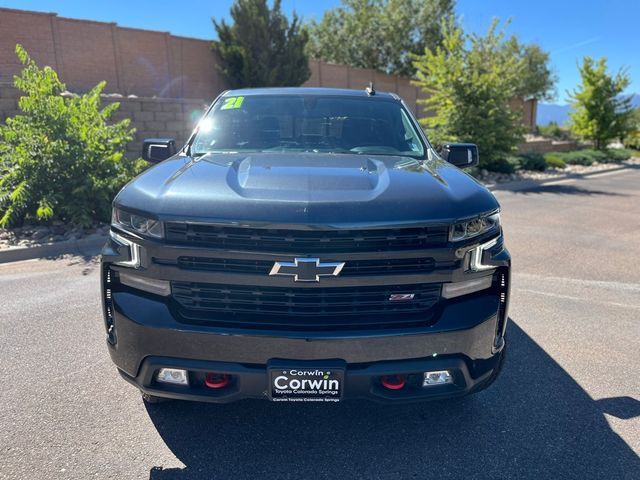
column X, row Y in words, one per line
column 579, row 157
column 532, row 161
column 60, row 159
column 587, row 157
column 527, row 161
column 596, row 155
column 503, row 165
column 618, row 155
column 554, row 160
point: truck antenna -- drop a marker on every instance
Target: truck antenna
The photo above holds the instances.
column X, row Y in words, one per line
column 370, row 91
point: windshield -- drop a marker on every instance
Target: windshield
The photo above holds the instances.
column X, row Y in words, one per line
column 299, row 123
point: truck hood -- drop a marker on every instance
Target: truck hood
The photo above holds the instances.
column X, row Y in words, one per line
column 306, row 188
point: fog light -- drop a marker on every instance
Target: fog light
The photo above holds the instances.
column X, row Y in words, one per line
column 176, row 376
column 440, row 377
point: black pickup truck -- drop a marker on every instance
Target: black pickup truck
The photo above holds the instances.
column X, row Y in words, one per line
column 306, row 245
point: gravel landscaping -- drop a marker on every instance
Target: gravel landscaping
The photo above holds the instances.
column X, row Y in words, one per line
column 492, row 178
column 31, row 235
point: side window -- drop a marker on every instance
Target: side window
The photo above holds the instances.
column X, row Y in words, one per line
column 411, row 136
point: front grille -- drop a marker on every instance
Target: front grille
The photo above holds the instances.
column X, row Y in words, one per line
column 305, row 308
column 308, row 308
column 352, row 268
column 306, row 241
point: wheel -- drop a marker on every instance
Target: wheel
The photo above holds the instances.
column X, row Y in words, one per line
column 152, row 399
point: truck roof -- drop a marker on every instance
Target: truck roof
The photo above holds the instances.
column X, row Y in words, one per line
column 343, row 92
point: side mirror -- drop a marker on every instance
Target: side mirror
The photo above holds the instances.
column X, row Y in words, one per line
column 461, row 155
column 155, row 150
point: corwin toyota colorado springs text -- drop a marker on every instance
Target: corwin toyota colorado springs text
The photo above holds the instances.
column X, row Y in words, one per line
column 306, row 244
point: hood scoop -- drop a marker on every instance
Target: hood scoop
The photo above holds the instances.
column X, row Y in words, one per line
column 308, row 177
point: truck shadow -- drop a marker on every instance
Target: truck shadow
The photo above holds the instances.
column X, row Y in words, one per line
column 567, row 190
column 534, row 422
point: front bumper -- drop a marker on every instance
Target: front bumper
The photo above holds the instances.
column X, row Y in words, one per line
column 462, row 341
column 465, row 336
column 361, row 382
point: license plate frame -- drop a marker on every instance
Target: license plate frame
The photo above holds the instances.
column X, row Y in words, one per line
column 305, row 384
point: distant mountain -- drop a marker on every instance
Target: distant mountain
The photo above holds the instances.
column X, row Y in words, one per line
column 550, row 112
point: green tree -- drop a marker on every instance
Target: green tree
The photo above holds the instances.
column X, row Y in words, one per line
column 632, row 137
column 261, row 48
column 599, row 112
column 470, row 81
column 60, row 159
column 379, row 34
column 537, row 79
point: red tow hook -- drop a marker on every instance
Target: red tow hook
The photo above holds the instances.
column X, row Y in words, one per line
column 217, row 380
column 393, row 382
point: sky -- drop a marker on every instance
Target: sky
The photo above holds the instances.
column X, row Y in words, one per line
column 568, row 29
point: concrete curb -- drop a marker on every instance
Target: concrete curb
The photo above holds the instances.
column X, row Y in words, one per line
column 517, row 185
column 88, row 246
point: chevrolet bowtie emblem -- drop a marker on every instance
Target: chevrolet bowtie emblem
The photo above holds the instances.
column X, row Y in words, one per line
column 306, row 269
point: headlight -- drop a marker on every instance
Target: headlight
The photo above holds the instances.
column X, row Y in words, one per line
column 137, row 223
column 473, row 228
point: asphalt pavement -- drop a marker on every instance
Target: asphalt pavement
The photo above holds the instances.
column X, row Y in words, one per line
column 566, row 406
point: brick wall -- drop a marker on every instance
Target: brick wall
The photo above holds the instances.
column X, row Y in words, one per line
column 342, row 76
column 547, row 145
column 164, row 71
column 151, row 117
column 158, row 117
column 132, row 61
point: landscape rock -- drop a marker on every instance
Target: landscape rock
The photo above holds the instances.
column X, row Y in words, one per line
column 57, row 231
